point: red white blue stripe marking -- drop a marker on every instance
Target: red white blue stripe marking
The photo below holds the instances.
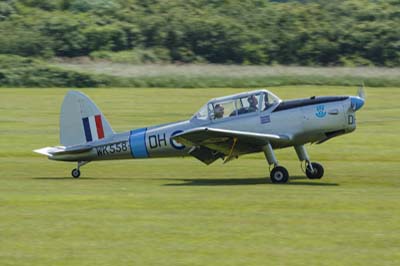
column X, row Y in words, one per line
column 93, row 127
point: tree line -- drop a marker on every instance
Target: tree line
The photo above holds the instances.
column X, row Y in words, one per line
column 317, row 33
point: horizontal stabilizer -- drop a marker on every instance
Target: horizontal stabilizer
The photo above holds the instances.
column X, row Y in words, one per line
column 50, row 151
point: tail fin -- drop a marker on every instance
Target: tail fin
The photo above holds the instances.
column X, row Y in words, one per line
column 81, row 120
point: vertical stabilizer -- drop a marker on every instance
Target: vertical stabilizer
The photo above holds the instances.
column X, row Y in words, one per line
column 81, row 120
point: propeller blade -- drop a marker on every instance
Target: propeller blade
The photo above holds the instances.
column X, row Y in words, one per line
column 358, row 101
column 361, row 92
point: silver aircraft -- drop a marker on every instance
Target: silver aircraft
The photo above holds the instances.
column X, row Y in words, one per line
column 224, row 128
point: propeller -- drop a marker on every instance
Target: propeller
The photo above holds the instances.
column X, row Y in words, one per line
column 358, row 101
column 361, row 92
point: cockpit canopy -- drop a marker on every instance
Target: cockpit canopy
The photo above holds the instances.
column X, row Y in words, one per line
column 237, row 105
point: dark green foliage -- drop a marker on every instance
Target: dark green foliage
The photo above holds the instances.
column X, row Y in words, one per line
column 7, row 8
column 309, row 32
column 23, row 42
column 48, row 5
column 98, row 6
column 17, row 71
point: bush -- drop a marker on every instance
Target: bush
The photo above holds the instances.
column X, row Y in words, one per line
column 109, row 37
column 24, row 41
column 99, row 6
column 6, row 10
column 17, row 71
column 48, row 5
column 309, row 32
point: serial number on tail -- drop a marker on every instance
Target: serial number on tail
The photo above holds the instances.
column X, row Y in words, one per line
column 113, row 148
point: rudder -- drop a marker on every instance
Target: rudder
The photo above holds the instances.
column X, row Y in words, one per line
column 81, row 121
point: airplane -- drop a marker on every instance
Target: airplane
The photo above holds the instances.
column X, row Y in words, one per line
column 224, row 128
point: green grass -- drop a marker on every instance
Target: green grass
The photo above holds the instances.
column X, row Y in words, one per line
column 181, row 212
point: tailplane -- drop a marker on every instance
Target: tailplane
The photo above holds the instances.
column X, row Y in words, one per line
column 81, row 121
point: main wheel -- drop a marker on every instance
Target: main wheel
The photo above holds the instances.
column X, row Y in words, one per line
column 279, row 175
column 76, row 173
column 317, row 173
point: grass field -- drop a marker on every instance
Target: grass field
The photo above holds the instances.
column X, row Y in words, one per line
column 181, row 212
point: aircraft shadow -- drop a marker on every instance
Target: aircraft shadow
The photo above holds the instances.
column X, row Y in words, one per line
column 246, row 181
column 52, row 178
column 80, row 178
column 294, row 181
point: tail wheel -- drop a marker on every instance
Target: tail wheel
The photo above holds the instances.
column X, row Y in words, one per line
column 76, row 173
column 316, row 173
column 279, row 175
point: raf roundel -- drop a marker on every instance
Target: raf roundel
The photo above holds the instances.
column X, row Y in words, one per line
column 175, row 144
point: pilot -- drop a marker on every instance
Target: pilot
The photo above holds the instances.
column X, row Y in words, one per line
column 253, row 103
column 218, row 111
column 266, row 102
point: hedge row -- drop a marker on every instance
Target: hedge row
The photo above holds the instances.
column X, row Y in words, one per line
column 307, row 32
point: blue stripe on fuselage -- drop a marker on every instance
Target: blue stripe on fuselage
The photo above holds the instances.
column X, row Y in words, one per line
column 86, row 127
column 137, row 141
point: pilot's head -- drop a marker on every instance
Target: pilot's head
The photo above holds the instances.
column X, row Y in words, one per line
column 252, row 100
column 218, row 111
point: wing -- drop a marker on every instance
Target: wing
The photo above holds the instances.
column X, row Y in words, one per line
column 223, row 142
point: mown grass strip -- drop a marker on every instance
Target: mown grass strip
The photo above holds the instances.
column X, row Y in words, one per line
column 18, row 71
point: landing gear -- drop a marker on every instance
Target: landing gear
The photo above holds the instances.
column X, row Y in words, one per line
column 76, row 173
column 314, row 171
column 279, row 174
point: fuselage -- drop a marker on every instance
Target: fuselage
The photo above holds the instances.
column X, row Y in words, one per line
column 308, row 120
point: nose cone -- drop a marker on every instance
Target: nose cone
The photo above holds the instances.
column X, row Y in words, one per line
column 356, row 102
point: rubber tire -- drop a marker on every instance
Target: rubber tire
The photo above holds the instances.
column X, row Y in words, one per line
column 76, row 173
column 318, row 171
column 279, row 175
